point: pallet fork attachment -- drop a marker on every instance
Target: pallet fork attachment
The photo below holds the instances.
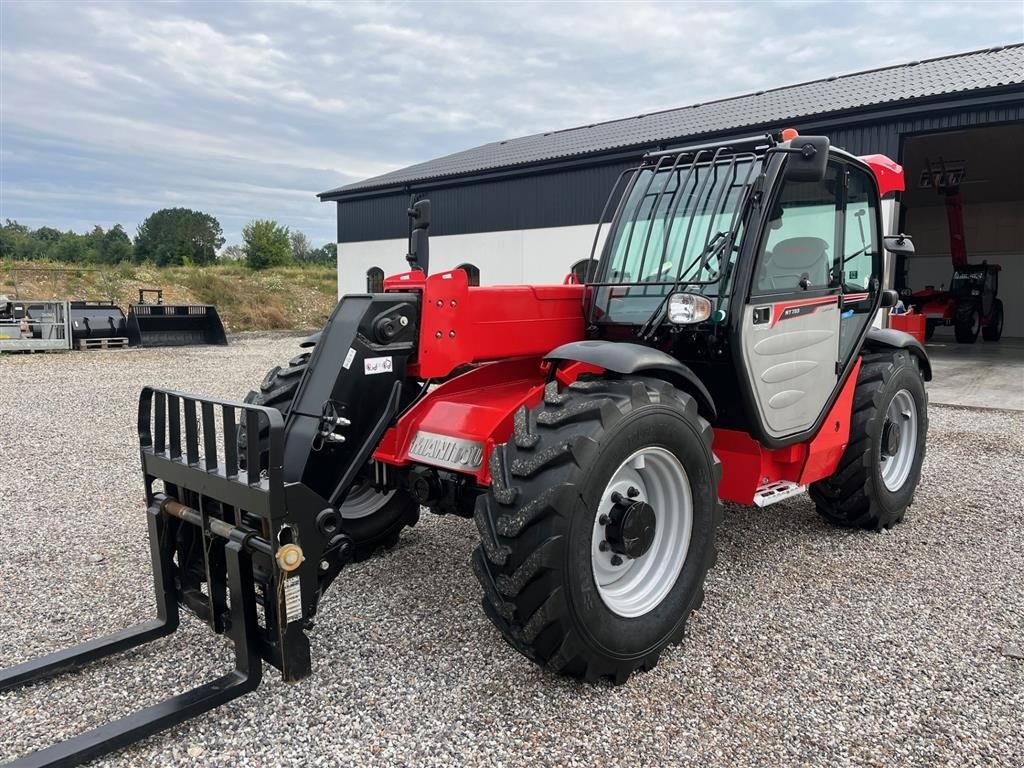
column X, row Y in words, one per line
column 221, row 542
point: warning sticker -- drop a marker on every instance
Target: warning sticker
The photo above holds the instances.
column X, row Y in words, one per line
column 292, row 599
column 349, row 358
column 373, row 365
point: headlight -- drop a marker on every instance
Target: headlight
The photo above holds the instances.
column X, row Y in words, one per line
column 687, row 308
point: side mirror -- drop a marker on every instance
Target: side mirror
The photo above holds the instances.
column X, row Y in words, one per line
column 419, row 243
column 808, row 158
column 889, row 298
column 900, row 245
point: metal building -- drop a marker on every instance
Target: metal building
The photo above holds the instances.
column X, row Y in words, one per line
column 525, row 209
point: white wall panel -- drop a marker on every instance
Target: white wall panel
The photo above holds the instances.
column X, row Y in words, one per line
column 517, row 256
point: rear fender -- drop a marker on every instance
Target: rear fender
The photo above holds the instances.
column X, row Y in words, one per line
column 890, row 338
column 456, row 425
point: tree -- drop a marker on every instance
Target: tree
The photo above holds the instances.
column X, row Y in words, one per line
column 12, row 239
column 49, row 236
column 301, row 246
column 232, row 253
column 177, row 235
column 325, row 254
column 267, row 244
column 70, row 248
column 116, row 246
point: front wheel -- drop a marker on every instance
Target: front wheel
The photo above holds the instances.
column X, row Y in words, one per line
column 993, row 331
column 968, row 323
column 876, row 478
column 599, row 526
column 373, row 518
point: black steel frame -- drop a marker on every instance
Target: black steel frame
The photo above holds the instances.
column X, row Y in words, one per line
column 716, row 158
column 214, row 520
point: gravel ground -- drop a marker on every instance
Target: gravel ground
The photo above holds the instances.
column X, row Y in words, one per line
column 815, row 645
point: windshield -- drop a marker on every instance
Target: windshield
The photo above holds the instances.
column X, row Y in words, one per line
column 673, row 226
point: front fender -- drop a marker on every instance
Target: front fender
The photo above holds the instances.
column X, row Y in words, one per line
column 627, row 358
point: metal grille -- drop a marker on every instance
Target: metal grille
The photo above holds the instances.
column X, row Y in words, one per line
column 674, row 226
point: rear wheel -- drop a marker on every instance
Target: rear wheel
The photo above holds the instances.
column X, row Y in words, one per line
column 599, row 526
column 373, row 519
column 876, row 478
column 968, row 323
column 929, row 329
column 994, row 330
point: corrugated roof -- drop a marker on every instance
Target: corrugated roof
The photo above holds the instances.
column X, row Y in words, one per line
column 976, row 70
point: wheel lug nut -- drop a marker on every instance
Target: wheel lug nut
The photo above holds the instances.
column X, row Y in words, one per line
column 616, row 497
column 633, row 492
column 603, row 546
column 616, row 560
column 604, row 519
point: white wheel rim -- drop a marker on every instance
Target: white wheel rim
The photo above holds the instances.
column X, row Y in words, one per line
column 896, row 465
column 363, row 501
column 638, row 586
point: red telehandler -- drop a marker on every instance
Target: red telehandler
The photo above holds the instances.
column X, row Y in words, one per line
column 721, row 349
column 972, row 303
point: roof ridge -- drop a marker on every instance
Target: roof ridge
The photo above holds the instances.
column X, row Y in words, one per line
column 964, row 72
column 761, row 92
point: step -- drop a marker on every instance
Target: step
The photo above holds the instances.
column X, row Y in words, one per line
column 771, row 493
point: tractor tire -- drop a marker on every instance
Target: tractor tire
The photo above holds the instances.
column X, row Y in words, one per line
column 967, row 324
column 929, row 329
column 876, row 478
column 584, row 469
column 372, row 519
column 994, row 330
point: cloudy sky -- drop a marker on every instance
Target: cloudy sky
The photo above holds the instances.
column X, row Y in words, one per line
column 109, row 111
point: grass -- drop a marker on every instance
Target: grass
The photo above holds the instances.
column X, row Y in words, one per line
column 298, row 297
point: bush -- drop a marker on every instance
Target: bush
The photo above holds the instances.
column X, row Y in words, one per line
column 267, row 244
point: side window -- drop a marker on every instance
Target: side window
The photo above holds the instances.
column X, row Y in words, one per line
column 860, row 249
column 800, row 247
column 375, row 280
column 861, row 266
column 472, row 272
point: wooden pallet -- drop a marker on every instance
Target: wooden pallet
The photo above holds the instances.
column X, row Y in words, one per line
column 115, row 343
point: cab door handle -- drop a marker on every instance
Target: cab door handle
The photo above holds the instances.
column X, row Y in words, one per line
column 762, row 315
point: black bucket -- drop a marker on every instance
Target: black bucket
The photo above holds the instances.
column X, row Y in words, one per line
column 174, row 325
column 97, row 320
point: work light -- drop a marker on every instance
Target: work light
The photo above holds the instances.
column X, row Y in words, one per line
column 686, row 308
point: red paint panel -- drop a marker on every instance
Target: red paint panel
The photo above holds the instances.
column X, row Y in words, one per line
column 747, row 465
column 888, row 173
column 826, row 448
column 779, row 309
column 478, row 405
column 461, row 324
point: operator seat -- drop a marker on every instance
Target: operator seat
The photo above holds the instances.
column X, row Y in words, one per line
column 792, row 259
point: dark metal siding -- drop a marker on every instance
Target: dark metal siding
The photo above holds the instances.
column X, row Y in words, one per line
column 557, row 199
column 567, row 197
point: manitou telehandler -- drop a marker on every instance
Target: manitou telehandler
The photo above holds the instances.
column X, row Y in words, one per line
column 724, row 350
column 972, row 303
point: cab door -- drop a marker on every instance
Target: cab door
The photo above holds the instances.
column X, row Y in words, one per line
column 790, row 329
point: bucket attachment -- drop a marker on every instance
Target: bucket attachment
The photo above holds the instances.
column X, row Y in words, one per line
column 97, row 320
column 243, row 553
column 173, row 325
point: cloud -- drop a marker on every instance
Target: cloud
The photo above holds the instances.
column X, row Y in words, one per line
column 246, row 110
